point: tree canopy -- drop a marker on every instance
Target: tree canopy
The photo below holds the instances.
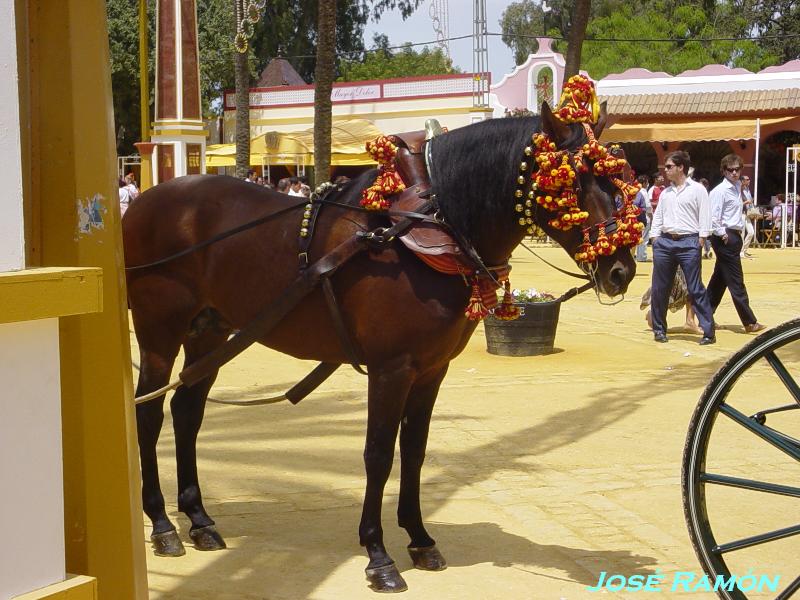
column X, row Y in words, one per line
column 383, row 64
column 685, row 21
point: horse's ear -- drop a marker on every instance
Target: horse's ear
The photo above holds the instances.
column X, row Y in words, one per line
column 601, row 120
column 552, row 126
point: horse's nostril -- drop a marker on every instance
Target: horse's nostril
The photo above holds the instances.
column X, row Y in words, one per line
column 617, row 276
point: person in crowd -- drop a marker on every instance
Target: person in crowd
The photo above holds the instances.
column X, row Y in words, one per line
column 750, row 214
column 130, row 185
column 727, row 221
column 124, row 197
column 707, row 252
column 283, row 185
column 251, row 176
column 260, row 180
column 294, row 186
column 305, row 190
column 645, row 216
column 678, row 299
column 681, row 223
column 654, row 192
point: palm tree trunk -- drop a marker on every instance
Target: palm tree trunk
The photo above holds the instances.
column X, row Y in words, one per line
column 323, row 84
column 242, row 78
column 580, row 19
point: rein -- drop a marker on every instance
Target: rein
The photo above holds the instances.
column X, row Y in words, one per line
column 217, row 238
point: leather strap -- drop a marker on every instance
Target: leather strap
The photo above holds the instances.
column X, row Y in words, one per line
column 345, row 340
column 310, row 214
column 273, row 313
column 311, row 381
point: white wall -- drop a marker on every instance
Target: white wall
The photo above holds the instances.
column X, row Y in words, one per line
column 32, row 498
column 12, row 231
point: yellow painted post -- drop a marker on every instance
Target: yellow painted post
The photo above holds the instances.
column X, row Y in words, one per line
column 146, row 171
column 73, row 162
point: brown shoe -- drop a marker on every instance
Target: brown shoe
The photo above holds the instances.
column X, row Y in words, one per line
column 754, row 328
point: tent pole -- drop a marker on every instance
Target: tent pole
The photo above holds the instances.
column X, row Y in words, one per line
column 755, row 175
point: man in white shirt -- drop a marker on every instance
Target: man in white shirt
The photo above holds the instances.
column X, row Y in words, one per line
column 727, row 221
column 681, row 223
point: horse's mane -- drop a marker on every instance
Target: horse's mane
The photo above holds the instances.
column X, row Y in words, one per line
column 475, row 168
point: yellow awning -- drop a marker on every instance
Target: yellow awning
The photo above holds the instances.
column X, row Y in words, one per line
column 348, row 138
column 686, row 131
column 226, row 157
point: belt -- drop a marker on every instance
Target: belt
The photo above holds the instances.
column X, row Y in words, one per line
column 736, row 231
column 678, row 236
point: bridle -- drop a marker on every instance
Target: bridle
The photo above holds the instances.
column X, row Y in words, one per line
column 555, row 187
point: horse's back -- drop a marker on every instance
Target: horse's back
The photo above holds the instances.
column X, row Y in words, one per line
column 185, row 211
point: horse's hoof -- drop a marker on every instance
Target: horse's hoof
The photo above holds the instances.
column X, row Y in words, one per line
column 207, row 538
column 167, row 544
column 427, row 559
column 386, row 579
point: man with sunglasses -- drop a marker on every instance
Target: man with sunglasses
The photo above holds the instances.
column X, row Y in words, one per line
column 681, row 223
column 727, row 221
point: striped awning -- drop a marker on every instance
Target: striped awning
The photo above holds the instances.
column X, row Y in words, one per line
column 688, row 130
column 703, row 103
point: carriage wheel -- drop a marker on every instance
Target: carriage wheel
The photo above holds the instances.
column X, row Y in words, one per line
column 740, row 462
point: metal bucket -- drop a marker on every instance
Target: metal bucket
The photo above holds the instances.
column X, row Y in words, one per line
column 533, row 333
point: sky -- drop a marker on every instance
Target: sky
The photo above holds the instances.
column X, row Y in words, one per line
column 419, row 28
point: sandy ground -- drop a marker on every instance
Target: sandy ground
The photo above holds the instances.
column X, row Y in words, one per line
column 541, row 472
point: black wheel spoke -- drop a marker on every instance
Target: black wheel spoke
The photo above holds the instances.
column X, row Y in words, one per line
column 710, row 437
column 767, row 434
column 750, row 484
column 755, row 540
column 783, row 375
column 789, row 591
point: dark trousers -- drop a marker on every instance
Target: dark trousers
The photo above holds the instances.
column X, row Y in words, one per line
column 728, row 275
column 667, row 255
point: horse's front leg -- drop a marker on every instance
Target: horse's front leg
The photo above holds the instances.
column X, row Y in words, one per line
column 413, row 441
column 388, row 389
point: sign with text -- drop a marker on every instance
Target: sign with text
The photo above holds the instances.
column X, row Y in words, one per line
column 356, row 92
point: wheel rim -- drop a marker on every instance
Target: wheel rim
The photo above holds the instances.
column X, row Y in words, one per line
column 710, row 536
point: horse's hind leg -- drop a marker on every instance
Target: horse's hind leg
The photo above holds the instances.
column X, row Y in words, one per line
column 188, row 407
column 413, row 440
column 388, row 390
column 154, row 373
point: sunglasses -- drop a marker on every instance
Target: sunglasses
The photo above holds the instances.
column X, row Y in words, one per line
column 733, row 169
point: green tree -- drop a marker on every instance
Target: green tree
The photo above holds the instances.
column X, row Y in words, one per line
column 383, row 64
column 123, row 41
column 684, row 20
column 289, row 29
column 779, row 18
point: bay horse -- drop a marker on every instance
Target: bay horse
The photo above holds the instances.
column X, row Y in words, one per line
column 406, row 319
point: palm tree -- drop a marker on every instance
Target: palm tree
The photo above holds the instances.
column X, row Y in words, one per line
column 323, row 84
column 580, row 19
column 242, row 80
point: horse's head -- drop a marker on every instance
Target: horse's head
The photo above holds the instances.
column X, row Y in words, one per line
column 588, row 217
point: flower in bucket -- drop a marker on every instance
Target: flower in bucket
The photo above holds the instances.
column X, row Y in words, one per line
column 508, row 309
column 531, row 295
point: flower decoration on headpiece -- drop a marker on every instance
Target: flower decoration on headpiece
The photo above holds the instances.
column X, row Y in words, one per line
column 554, row 187
column 388, row 181
column 578, row 103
